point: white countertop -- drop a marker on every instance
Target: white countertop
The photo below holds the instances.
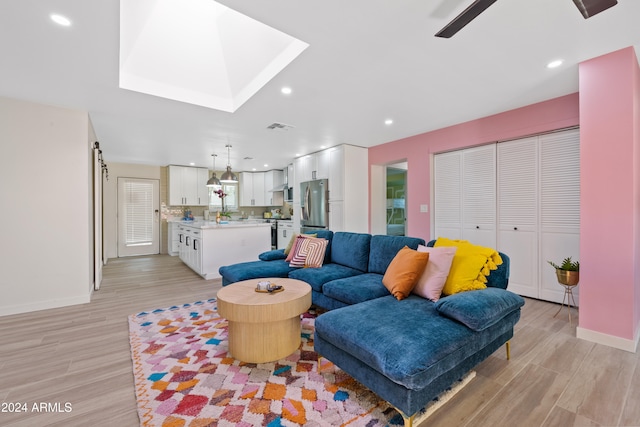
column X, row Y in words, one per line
column 223, row 224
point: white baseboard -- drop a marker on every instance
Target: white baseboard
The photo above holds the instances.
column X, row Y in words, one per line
column 44, row 305
column 609, row 340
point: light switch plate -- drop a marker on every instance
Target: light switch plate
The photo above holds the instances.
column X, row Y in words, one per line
column 424, row 208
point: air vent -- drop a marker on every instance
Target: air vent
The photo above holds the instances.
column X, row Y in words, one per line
column 279, row 126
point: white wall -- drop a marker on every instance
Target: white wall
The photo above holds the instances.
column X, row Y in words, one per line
column 111, row 198
column 46, row 205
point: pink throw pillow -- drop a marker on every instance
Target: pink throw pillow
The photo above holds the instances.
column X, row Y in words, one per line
column 432, row 281
column 294, row 248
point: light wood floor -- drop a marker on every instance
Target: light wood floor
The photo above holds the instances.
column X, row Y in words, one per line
column 81, row 355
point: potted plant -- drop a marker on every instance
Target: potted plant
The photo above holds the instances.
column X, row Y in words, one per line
column 568, row 272
column 221, row 194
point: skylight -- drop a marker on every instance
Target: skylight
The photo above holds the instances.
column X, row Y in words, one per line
column 199, row 52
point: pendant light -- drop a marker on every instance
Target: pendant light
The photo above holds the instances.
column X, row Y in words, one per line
column 214, row 181
column 228, row 176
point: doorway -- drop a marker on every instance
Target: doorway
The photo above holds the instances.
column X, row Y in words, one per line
column 138, row 216
column 396, row 183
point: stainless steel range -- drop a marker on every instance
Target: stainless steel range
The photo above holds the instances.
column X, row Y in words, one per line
column 274, row 232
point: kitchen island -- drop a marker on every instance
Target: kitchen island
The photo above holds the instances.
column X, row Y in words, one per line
column 205, row 246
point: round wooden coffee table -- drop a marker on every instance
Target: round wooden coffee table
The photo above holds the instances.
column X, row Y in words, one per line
column 263, row 327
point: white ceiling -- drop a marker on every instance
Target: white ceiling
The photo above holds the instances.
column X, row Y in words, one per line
column 367, row 60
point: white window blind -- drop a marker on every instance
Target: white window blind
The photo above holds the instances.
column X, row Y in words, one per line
column 138, row 213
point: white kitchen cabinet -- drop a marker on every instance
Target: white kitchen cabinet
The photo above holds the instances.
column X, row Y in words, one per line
column 182, row 242
column 187, row 186
column 173, row 244
column 191, row 247
column 273, row 179
column 304, row 166
column 312, row 166
column 337, row 166
column 290, row 180
column 202, row 189
column 205, row 249
column 336, row 216
column 252, row 190
column 346, row 168
column 285, row 232
column 322, row 164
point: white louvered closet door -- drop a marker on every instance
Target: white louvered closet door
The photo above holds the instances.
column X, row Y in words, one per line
column 479, row 195
column 518, row 212
column 447, row 172
column 559, row 206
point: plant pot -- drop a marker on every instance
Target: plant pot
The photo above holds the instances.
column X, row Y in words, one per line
column 567, row 278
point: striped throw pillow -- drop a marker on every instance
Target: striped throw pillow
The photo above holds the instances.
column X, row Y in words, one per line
column 309, row 252
column 315, row 252
column 296, row 244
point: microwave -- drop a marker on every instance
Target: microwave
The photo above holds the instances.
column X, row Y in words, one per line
column 288, row 194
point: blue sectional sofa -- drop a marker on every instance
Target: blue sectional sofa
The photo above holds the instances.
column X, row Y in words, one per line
column 352, row 271
column 407, row 351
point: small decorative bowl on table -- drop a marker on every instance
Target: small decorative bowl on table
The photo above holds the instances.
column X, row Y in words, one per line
column 268, row 287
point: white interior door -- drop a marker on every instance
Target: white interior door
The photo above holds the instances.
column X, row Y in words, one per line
column 559, row 207
column 138, row 216
column 447, row 206
column 479, row 195
column 518, row 212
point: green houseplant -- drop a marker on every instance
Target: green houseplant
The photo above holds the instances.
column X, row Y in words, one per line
column 568, row 272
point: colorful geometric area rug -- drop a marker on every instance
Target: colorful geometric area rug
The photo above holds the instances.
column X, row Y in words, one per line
column 184, row 376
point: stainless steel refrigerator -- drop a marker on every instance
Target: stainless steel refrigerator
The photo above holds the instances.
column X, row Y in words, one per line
column 314, row 204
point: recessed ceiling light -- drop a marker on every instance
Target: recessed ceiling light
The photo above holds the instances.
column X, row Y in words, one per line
column 60, row 20
column 254, row 169
column 323, row 146
column 192, row 164
column 297, row 154
column 266, row 165
column 388, row 122
column 286, row 90
column 555, row 64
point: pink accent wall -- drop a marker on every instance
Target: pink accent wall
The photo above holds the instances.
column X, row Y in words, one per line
column 608, row 112
column 609, row 146
column 545, row 116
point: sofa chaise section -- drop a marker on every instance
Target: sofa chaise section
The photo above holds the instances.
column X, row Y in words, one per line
column 406, row 351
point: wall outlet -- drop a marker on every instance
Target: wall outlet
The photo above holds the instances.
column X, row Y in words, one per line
column 424, row 208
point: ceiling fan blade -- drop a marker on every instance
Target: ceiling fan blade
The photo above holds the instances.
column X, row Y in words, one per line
column 468, row 15
column 588, row 8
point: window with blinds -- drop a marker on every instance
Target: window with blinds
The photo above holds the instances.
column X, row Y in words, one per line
column 230, row 200
column 138, row 213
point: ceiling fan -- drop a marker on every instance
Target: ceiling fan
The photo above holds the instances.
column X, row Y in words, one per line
column 587, row 8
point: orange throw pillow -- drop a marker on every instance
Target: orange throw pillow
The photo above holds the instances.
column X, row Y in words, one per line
column 404, row 271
